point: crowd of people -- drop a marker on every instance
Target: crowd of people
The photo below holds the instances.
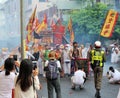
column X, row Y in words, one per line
column 53, row 63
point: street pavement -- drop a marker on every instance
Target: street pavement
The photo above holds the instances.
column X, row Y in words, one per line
column 107, row 91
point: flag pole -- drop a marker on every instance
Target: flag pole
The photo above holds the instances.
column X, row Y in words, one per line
column 21, row 29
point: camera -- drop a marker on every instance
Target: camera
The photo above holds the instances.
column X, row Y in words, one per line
column 15, row 57
column 34, row 65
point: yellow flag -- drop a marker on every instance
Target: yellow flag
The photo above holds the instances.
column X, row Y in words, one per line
column 42, row 26
column 70, row 28
column 109, row 23
column 29, row 27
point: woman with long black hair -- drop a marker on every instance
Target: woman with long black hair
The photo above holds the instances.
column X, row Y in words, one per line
column 7, row 79
column 26, row 83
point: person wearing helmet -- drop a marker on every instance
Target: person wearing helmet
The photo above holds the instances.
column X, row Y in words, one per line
column 97, row 59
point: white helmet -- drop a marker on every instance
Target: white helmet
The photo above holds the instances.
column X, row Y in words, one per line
column 98, row 44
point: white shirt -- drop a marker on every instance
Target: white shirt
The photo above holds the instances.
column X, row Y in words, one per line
column 30, row 93
column 58, row 63
column 79, row 76
column 115, row 75
column 84, row 52
column 6, row 84
column 66, row 56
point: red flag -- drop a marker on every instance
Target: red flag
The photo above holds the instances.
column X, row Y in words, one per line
column 70, row 28
column 42, row 26
column 35, row 24
column 29, row 27
column 57, row 38
column 31, row 21
column 61, row 28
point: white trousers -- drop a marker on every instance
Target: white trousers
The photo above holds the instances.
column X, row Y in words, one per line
column 66, row 68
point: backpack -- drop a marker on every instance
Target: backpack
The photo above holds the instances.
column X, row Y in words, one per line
column 51, row 73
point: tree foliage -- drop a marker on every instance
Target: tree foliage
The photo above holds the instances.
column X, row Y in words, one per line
column 90, row 19
column 88, row 22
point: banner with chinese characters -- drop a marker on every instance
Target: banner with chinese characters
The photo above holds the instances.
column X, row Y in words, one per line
column 109, row 23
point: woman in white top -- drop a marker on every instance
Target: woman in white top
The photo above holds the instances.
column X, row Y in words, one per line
column 25, row 83
column 113, row 75
column 7, row 79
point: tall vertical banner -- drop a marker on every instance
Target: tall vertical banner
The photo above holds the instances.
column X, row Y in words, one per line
column 70, row 29
column 109, row 23
column 58, row 33
column 30, row 25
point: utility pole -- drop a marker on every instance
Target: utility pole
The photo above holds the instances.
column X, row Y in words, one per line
column 21, row 29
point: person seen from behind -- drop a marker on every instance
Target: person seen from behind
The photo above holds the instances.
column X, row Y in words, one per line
column 97, row 59
column 79, row 78
column 27, row 82
column 7, row 79
column 53, row 69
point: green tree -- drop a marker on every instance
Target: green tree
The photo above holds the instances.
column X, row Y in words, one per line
column 88, row 22
column 90, row 19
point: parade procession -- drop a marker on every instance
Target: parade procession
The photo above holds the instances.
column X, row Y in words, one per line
column 60, row 49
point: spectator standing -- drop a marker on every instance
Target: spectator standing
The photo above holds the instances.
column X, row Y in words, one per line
column 114, row 54
column 66, row 60
column 46, row 53
column 84, row 59
column 52, row 69
column 7, row 79
column 74, row 55
column 40, row 61
column 26, row 83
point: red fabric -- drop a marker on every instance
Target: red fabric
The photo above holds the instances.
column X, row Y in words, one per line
column 81, row 59
column 12, row 93
column 58, row 38
column 42, row 26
